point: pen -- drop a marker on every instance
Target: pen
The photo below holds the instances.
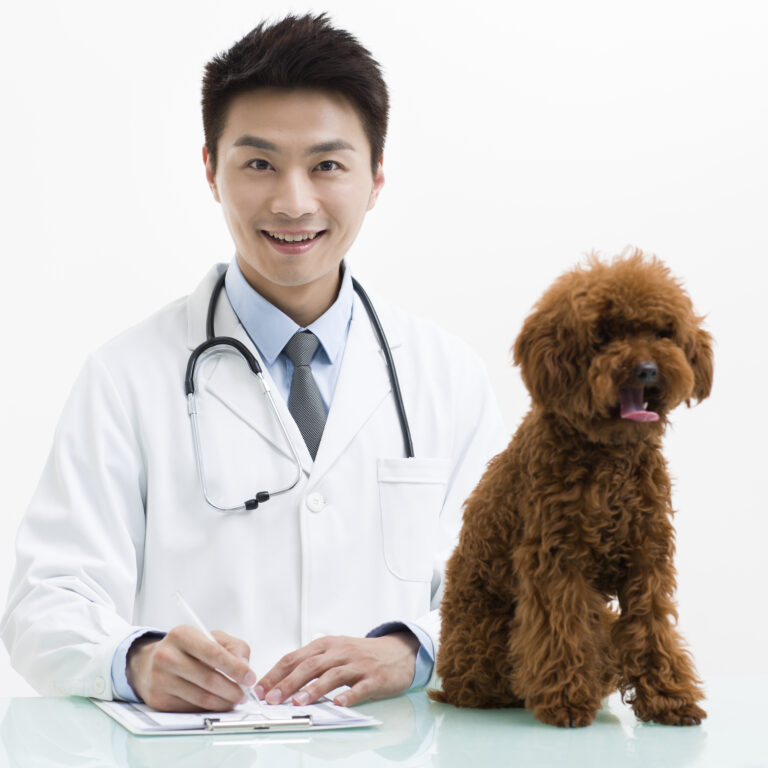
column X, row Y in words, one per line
column 193, row 617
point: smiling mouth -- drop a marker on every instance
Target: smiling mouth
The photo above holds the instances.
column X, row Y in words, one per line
column 292, row 237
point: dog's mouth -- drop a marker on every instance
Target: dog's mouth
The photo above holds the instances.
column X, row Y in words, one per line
column 634, row 406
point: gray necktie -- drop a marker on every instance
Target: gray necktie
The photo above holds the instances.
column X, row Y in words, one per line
column 304, row 401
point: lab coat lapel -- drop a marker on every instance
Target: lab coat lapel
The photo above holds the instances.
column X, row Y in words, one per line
column 362, row 385
column 228, row 378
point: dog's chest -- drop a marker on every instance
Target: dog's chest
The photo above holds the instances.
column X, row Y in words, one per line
column 609, row 518
column 618, row 499
column 600, row 505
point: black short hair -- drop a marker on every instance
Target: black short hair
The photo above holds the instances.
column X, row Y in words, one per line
column 297, row 52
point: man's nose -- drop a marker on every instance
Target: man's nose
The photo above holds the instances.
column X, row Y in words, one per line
column 294, row 195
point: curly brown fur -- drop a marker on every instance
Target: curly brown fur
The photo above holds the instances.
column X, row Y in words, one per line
column 575, row 513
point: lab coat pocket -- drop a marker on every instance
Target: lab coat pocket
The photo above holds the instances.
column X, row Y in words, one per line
column 411, row 493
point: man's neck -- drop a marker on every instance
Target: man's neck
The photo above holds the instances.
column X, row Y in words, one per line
column 302, row 303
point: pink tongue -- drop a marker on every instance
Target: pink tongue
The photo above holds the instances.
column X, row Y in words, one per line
column 632, row 406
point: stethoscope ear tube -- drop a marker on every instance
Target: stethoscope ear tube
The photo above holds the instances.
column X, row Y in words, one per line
column 227, row 341
column 210, row 333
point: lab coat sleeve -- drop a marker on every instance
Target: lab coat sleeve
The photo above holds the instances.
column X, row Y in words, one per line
column 79, row 547
column 479, row 435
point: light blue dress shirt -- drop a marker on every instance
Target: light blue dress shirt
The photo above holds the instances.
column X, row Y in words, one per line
column 270, row 330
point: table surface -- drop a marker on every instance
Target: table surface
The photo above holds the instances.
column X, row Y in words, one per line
column 415, row 732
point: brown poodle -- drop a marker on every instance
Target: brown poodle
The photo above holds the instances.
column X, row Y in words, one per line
column 575, row 513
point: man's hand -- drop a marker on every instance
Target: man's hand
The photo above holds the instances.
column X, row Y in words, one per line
column 374, row 668
column 178, row 673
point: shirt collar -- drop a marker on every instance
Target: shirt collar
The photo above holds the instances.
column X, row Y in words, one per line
column 270, row 329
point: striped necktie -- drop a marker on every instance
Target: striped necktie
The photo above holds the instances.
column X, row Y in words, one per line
column 304, row 400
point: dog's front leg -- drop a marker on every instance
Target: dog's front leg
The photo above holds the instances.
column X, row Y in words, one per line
column 554, row 645
column 657, row 674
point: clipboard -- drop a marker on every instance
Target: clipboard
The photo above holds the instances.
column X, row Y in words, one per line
column 142, row 720
column 296, row 723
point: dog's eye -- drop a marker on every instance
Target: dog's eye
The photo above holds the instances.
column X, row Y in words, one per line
column 665, row 333
column 600, row 338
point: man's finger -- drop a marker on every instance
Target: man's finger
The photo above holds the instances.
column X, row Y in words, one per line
column 203, row 698
column 211, row 681
column 212, row 654
column 361, row 691
column 180, row 695
column 374, row 667
column 329, row 681
column 165, row 685
column 287, row 664
column 312, row 667
column 335, row 655
column 234, row 645
column 172, row 664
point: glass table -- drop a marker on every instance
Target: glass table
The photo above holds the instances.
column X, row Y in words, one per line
column 414, row 732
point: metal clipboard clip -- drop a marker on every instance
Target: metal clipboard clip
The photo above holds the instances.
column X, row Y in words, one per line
column 215, row 725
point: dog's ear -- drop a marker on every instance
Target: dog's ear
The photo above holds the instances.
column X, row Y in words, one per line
column 698, row 350
column 547, row 352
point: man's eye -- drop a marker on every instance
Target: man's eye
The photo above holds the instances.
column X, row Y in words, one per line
column 259, row 165
column 328, row 165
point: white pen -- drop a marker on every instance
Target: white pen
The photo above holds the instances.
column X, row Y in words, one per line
column 193, row 617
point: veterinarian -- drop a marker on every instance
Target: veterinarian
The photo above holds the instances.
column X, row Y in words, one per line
column 336, row 579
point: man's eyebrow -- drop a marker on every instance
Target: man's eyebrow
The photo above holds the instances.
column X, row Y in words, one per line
column 255, row 141
column 329, row 146
column 247, row 140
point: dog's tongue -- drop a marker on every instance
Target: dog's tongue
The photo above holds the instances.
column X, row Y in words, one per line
column 632, row 406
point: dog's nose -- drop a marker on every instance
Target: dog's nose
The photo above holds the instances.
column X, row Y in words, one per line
column 647, row 372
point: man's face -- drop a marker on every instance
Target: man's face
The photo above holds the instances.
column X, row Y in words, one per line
column 294, row 181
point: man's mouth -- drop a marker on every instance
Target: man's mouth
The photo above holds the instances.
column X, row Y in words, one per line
column 293, row 237
column 633, row 405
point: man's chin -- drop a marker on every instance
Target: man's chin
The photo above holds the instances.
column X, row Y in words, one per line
column 289, row 276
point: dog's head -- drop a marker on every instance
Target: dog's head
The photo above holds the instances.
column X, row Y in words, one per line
column 612, row 348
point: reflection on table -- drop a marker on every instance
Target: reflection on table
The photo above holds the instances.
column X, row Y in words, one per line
column 415, row 732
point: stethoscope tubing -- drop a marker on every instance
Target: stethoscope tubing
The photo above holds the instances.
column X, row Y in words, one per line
column 235, row 346
column 384, row 344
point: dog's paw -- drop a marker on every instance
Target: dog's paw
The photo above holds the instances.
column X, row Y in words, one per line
column 565, row 716
column 676, row 713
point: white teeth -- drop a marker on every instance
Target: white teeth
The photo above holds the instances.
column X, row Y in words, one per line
column 289, row 238
column 645, row 406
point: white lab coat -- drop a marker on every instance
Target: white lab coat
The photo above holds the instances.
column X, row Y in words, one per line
column 118, row 521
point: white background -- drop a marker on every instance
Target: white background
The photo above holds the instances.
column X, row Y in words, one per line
column 522, row 135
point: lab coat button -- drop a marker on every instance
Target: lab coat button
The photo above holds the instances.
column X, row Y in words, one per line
column 98, row 685
column 316, row 502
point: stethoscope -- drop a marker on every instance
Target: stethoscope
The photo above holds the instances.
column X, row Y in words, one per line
column 228, row 344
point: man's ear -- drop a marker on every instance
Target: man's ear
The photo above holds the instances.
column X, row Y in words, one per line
column 210, row 176
column 378, row 183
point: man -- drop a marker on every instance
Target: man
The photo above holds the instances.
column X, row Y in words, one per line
column 295, row 119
